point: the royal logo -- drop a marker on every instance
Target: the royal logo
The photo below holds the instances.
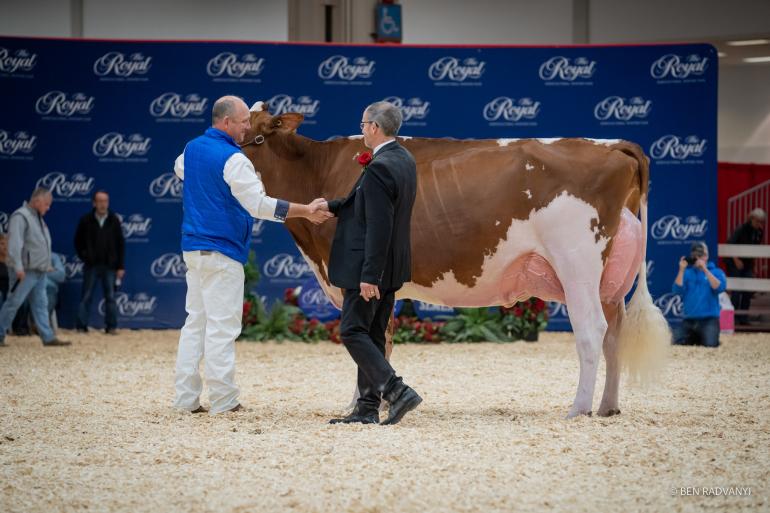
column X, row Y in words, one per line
column 680, row 229
column 616, row 107
column 413, row 108
column 230, row 65
column 677, row 67
column 4, row 222
column 676, row 148
column 118, row 145
column 167, row 185
column 509, row 109
column 61, row 104
column 168, row 265
column 173, row 105
column 314, row 297
column 19, row 61
column 20, row 142
column 562, row 68
column 116, row 64
column 456, row 70
column 78, row 185
column 73, row 267
column 433, row 308
column 342, row 68
column 670, row 304
column 139, row 305
column 284, row 265
column 283, row 103
column 135, row 225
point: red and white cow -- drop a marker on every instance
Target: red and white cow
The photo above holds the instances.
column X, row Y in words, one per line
column 497, row 221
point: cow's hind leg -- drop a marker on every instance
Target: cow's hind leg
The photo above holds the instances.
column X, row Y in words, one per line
column 580, row 279
column 614, row 315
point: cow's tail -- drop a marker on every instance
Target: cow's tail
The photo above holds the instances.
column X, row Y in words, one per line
column 644, row 333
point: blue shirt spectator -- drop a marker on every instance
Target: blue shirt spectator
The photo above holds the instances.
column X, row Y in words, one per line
column 699, row 282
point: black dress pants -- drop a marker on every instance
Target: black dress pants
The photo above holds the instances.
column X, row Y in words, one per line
column 362, row 330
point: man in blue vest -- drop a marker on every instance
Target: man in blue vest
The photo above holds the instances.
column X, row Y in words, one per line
column 222, row 194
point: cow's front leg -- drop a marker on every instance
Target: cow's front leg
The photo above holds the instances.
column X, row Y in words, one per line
column 388, row 350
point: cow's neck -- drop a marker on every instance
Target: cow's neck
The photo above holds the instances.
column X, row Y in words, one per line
column 290, row 169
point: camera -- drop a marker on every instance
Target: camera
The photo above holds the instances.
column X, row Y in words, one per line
column 691, row 259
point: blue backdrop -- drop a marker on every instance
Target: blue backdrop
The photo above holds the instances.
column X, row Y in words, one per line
column 85, row 115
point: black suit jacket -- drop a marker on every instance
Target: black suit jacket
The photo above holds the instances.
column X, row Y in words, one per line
column 372, row 240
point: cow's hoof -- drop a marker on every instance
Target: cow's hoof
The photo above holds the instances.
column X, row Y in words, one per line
column 574, row 413
column 608, row 413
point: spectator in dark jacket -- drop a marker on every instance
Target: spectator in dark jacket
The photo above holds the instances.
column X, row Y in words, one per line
column 100, row 245
column 750, row 232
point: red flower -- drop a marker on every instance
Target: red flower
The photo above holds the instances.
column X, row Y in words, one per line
column 364, row 158
column 313, row 322
column 518, row 311
column 246, row 308
column 427, row 337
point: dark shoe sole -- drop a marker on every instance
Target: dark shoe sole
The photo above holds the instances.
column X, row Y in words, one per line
column 199, row 409
column 57, row 344
column 358, row 421
column 411, row 405
column 235, row 408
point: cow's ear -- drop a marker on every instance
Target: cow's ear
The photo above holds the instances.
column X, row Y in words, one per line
column 288, row 122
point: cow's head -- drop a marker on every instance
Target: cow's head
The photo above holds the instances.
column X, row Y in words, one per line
column 264, row 125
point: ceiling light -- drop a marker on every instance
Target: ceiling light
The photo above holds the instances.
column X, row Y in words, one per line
column 749, row 42
column 753, row 60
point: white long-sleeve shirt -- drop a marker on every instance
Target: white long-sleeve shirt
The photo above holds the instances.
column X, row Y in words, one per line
column 246, row 186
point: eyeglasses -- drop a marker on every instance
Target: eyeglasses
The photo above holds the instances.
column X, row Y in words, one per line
column 365, row 122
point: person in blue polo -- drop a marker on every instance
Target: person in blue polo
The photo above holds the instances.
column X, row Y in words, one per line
column 699, row 282
column 222, row 194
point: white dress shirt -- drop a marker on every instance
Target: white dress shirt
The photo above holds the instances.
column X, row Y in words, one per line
column 245, row 184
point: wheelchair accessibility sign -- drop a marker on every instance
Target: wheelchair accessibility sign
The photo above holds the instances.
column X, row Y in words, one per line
column 389, row 23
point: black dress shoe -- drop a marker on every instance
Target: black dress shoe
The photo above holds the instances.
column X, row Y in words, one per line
column 358, row 416
column 199, row 409
column 111, row 331
column 81, row 330
column 402, row 399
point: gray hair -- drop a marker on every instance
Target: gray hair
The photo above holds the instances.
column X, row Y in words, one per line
column 38, row 192
column 223, row 107
column 758, row 214
column 387, row 116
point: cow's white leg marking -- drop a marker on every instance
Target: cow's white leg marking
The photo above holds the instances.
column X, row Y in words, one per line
column 614, row 315
column 575, row 255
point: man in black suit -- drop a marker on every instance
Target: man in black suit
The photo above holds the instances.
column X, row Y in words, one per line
column 371, row 259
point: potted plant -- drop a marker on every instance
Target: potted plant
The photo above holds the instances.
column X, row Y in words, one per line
column 525, row 319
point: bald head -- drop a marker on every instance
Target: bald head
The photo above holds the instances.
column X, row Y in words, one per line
column 231, row 115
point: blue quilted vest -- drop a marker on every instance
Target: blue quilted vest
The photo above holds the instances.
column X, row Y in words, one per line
column 213, row 219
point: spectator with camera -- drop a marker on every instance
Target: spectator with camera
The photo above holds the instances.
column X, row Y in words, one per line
column 699, row 282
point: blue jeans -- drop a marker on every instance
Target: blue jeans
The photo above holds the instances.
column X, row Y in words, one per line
column 32, row 287
column 698, row 332
column 107, row 278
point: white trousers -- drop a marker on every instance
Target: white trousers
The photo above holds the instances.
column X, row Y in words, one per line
column 214, row 307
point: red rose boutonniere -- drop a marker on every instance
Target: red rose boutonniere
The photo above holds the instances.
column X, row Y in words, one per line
column 364, row 158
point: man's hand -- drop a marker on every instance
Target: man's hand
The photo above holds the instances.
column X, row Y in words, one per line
column 120, row 273
column 318, row 211
column 320, row 204
column 683, row 264
column 20, row 274
column 369, row 291
column 701, row 264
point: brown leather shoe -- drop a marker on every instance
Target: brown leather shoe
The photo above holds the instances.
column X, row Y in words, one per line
column 199, row 409
column 237, row 407
column 57, row 342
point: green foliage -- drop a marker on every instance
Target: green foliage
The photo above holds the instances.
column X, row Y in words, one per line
column 475, row 325
column 273, row 325
column 251, row 273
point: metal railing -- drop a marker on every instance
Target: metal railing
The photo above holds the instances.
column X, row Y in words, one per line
column 738, row 208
